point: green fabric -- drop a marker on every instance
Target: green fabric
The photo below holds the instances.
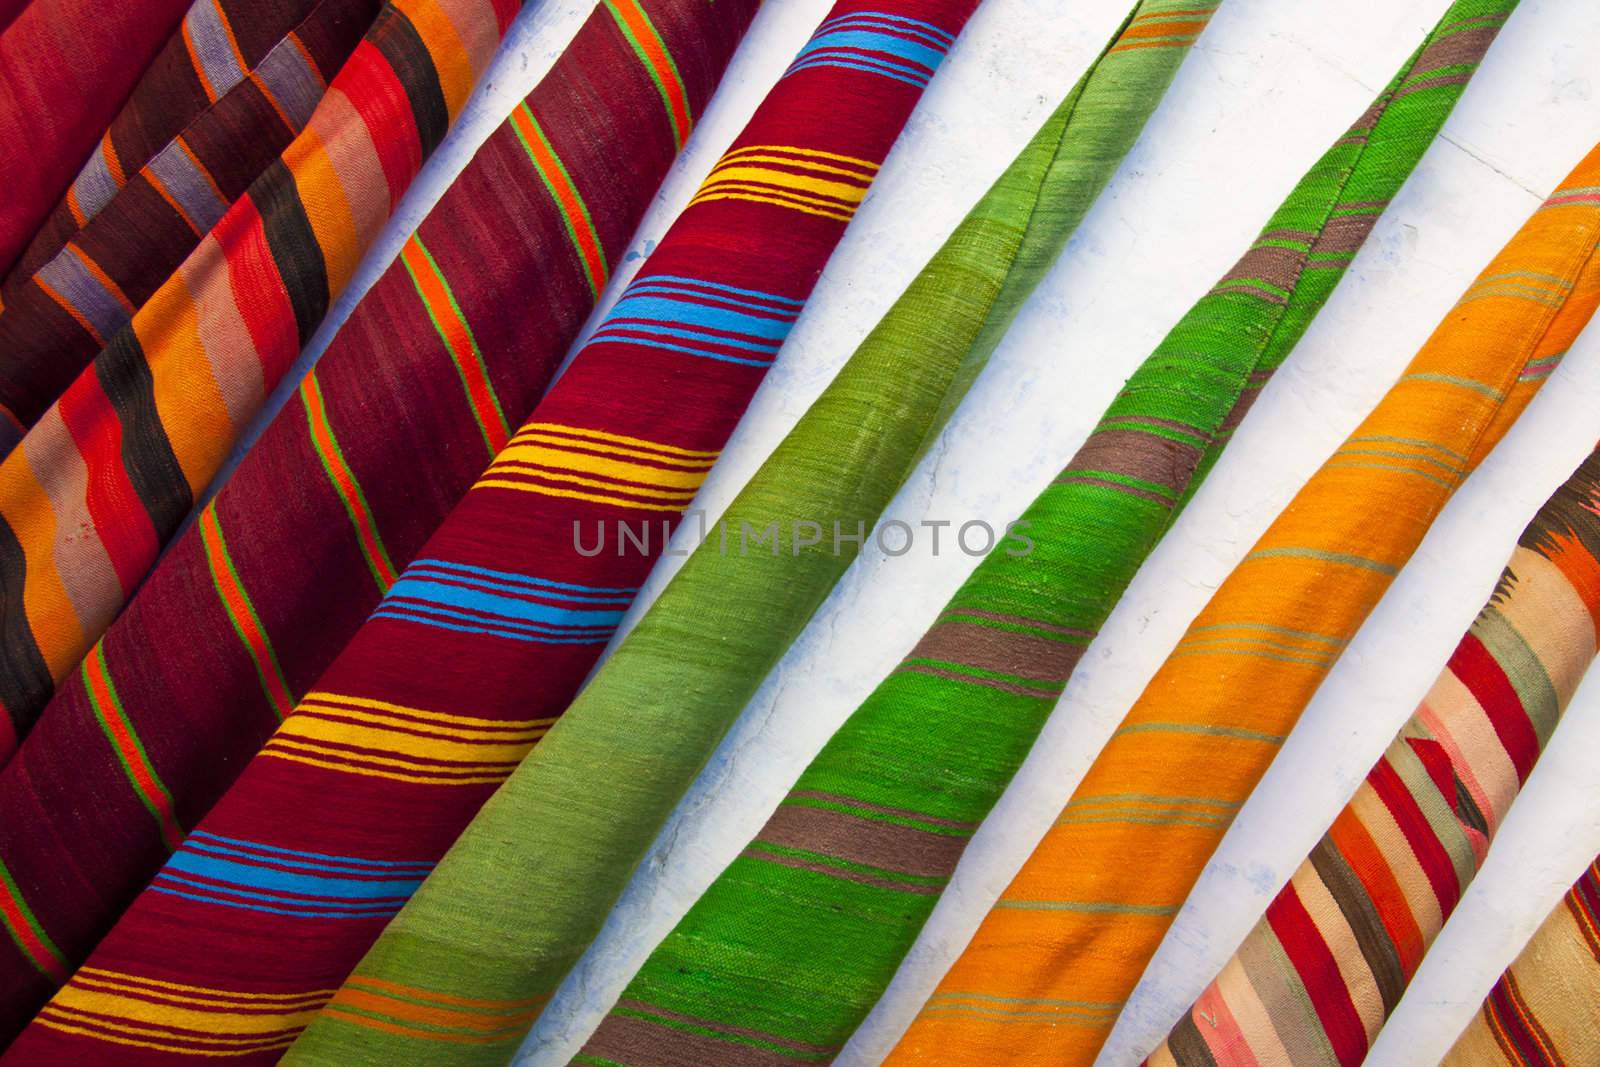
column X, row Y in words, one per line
column 520, row 897
column 796, row 940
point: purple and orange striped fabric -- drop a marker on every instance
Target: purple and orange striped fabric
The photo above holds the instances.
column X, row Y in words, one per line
column 226, row 96
column 66, row 67
column 109, row 472
column 416, row 394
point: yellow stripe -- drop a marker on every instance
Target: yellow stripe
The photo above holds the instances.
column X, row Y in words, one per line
column 201, row 1020
column 388, row 740
column 379, row 722
column 115, row 978
column 782, row 179
column 601, row 435
column 682, row 495
column 616, row 469
column 573, row 494
column 373, row 772
column 809, row 153
column 324, row 697
column 619, row 450
column 756, row 155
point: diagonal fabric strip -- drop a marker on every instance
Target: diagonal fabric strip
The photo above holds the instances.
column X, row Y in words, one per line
column 1545, row 1009
column 507, row 596
column 417, row 392
column 1319, row 976
column 66, row 68
column 1089, row 908
column 243, row 79
column 796, row 940
column 108, row 473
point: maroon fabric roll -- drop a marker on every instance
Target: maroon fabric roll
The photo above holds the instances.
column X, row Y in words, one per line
column 154, row 187
column 66, row 66
column 447, row 352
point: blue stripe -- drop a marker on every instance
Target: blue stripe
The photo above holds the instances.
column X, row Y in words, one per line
column 918, row 80
column 873, row 41
column 899, row 22
column 265, row 878
column 474, row 582
column 512, row 578
column 424, row 608
column 703, row 353
column 364, row 913
column 683, row 283
column 395, row 613
column 508, row 607
column 649, row 308
column 237, row 844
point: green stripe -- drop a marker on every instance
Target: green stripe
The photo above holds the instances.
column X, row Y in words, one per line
column 100, row 714
column 1323, row 556
column 650, row 68
column 477, row 353
column 1237, row 733
column 249, row 606
column 350, row 506
column 32, row 922
column 555, row 195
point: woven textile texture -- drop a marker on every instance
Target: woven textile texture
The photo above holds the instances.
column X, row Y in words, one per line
column 108, row 473
column 793, row 944
column 66, row 68
column 506, row 595
column 409, row 404
column 1545, row 1009
column 243, row 79
column 9, row 10
column 1068, row 939
column 1317, row 978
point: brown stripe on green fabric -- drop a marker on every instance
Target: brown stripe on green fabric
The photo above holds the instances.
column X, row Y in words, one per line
column 1000, row 651
column 643, row 1035
column 1135, row 454
column 874, row 842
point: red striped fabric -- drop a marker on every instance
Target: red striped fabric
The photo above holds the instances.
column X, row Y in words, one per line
column 352, row 476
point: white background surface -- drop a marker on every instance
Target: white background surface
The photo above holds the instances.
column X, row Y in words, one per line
column 1270, row 86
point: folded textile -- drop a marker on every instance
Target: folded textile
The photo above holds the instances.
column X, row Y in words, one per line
column 513, row 595
column 1068, row 939
column 109, row 472
column 225, row 97
column 1317, row 978
column 411, row 401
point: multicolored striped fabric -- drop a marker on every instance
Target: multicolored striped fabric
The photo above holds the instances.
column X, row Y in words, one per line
column 1545, row 1010
column 1068, row 939
column 1318, row 977
column 242, row 83
column 66, row 68
column 506, row 597
column 109, row 472
column 793, row 943
column 409, row 404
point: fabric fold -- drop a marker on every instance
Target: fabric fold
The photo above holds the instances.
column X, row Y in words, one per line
column 436, row 364
column 512, row 591
column 1323, row 970
column 1545, row 1009
column 226, row 96
column 66, row 68
column 795, row 941
column 110, row 471
column 1089, row 908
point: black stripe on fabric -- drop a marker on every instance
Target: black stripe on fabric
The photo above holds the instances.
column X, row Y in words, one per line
column 1188, row 1048
column 147, row 455
column 400, row 43
column 1372, row 937
column 25, row 682
column 294, row 246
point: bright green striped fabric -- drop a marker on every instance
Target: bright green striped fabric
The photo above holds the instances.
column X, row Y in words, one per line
column 793, row 944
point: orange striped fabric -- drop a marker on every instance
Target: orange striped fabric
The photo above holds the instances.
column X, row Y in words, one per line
column 1048, row 971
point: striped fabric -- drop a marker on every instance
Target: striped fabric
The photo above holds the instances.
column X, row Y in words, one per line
column 409, row 404
column 243, row 83
column 1545, row 1010
column 792, row 944
column 112, row 468
column 1318, row 976
column 516, row 610
column 1068, row 938
column 66, row 68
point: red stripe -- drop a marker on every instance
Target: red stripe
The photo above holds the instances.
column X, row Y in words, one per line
column 258, row 289
column 380, row 99
column 1487, row 681
column 120, row 520
column 1435, row 861
column 1314, row 963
